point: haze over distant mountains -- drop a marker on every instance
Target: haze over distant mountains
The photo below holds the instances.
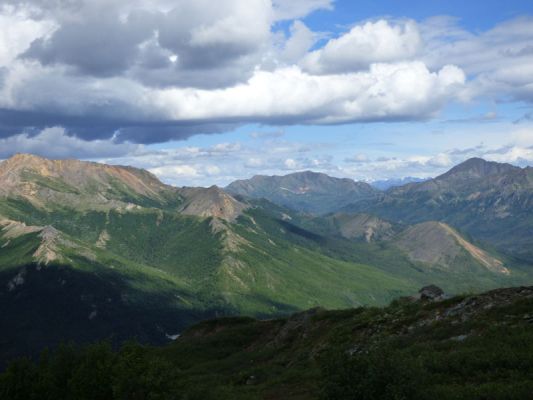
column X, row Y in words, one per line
column 313, row 192
column 389, row 183
column 305, row 191
column 132, row 256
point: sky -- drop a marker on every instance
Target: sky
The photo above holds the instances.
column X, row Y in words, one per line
column 202, row 92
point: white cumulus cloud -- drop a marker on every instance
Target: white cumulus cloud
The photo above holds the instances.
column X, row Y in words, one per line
column 386, row 91
column 372, row 42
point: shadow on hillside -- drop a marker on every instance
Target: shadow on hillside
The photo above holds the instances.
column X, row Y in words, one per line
column 45, row 306
column 42, row 307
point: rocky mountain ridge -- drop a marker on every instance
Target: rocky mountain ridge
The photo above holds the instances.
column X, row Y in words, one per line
column 438, row 244
column 304, row 191
column 93, row 186
column 490, row 201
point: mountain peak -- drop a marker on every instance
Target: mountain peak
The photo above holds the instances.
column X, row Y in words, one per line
column 22, row 160
column 90, row 185
column 477, row 168
column 474, row 163
column 211, row 202
column 24, row 156
column 306, row 191
column 72, row 182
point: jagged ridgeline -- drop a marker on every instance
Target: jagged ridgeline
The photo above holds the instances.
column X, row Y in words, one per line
column 90, row 251
column 492, row 202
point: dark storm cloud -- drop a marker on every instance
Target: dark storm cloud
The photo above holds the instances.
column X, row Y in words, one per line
column 145, row 72
column 204, row 38
column 88, row 127
column 94, row 127
column 163, row 132
column 200, row 56
column 3, row 74
column 161, row 74
column 153, row 57
column 55, row 142
column 120, row 38
column 98, row 44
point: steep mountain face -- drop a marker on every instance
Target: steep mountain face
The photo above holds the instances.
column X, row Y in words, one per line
column 474, row 179
column 211, row 202
column 129, row 254
column 438, row 245
column 55, row 287
column 50, row 240
column 363, row 227
column 432, row 244
column 93, row 186
column 73, row 183
column 134, row 257
column 305, row 191
column 492, row 202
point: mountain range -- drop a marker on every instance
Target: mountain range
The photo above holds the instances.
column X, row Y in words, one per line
column 305, row 191
column 492, row 202
column 91, row 251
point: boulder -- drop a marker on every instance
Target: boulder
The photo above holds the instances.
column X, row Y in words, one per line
column 431, row 293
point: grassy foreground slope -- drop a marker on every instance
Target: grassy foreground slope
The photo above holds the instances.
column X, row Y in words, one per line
column 466, row 347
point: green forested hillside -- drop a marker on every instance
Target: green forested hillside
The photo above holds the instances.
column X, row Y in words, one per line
column 147, row 260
